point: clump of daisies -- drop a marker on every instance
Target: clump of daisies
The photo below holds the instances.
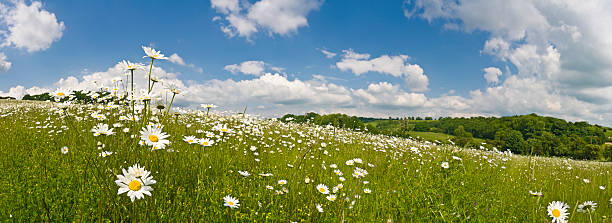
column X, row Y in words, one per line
column 136, row 182
column 558, row 211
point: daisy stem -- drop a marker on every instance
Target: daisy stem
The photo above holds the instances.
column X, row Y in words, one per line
column 150, row 69
column 132, row 94
column 171, row 101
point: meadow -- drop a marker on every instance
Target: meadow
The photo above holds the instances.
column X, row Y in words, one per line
column 59, row 163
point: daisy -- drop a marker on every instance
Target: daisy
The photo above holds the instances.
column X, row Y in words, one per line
column 269, row 187
column 323, row 189
column 153, row 54
column 61, row 93
column 319, row 208
column 105, row 154
column 206, row 142
column 244, row 173
column 331, row 197
column 190, row 139
column 136, row 182
column 367, row 191
column 444, row 165
column 65, row 150
column 282, row 182
column 127, row 65
column 231, row 202
column 153, row 136
column 338, row 172
column 102, row 129
column 535, row 193
column 558, row 211
column 208, row 106
column 587, row 206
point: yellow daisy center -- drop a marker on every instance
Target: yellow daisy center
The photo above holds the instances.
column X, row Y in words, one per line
column 61, row 94
column 230, row 203
column 205, row 143
column 135, row 185
column 224, row 130
column 322, row 189
column 191, row 140
column 153, row 138
column 556, row 213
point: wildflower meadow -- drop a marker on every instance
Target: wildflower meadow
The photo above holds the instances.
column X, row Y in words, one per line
column 133, row 156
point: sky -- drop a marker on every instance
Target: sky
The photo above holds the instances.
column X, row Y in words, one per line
column 436, row 58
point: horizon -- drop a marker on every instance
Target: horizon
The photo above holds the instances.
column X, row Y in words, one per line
column 397, row 59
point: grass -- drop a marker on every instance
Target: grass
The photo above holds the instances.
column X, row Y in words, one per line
column 40, row 183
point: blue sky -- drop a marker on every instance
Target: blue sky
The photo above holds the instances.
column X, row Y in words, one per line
column 435, row 58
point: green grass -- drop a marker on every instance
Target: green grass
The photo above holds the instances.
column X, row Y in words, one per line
column 408, row 184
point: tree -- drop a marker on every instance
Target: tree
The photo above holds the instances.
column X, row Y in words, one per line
column 462, row 137
column 511, row 140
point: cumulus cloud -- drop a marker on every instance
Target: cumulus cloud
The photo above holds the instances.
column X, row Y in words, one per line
column 252, row 67
column 274, row 16
column 492, row 74
column 274, row 95
column 29, row 26
column 176, row 59
column 4, row 64
column 397, row 66
column 560, row 51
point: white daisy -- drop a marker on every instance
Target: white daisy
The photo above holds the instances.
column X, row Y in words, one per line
column 65, row 150
column 190, row 139
column 323, row 189
column 153, row 136
column 136, row 182
column 102, row 129
column 231, row 202
column 153, row 54
column 558, row 211
column 331, row 197
column 444, row 165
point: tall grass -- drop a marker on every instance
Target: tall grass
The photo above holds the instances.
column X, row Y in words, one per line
column 407, row 182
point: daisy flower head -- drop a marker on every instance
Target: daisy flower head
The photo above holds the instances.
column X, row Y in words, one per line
column 558, row 211
column 190, row 139
column 444, row 165
column 587, row 206
column 206, row 142
column 319, row 208
column 136, row 182
column 231, row 202
column 102, row 129
column 244, row 173
column 64, row 150
column 282, row 182
column 323, row 189
column 61, row 93
column 208, row 106
column 331, row 197
column 153, row 136
column 153, row 54
column 127, row 65
column 367, row 191
column 535, row 193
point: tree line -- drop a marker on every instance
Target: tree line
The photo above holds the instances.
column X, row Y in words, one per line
column 523, row 134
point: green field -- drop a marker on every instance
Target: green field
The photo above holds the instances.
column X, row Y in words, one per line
column 372, row 178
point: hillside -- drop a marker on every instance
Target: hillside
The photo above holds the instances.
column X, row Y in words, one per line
column 524, row 134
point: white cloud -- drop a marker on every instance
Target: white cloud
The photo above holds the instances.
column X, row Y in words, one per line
column 247, row 67
column 29, row 26
column 560, row 50
column 492, row 74
column 252, row 67
column 275, row 16
column 175, row 58
column 280, row 95
column 328, row 54
column 397, row 66
column 387, row 95
column 4, row 64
